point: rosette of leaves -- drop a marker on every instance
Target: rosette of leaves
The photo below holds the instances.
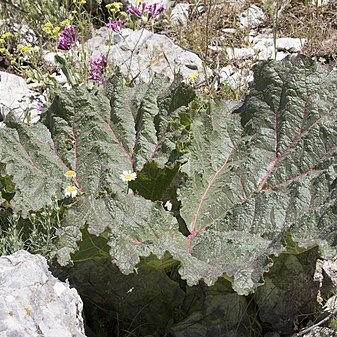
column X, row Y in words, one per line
column 256, row 178
column 99, row 135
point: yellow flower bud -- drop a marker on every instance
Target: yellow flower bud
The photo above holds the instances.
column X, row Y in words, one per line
column 65, row 22
column 6, row 35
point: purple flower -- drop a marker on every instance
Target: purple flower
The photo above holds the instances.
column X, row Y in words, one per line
column 116, row 25
column 67, row 38
column 135, row 11
column 155, row 10
column 97, row 69
column 152, row 11
column 39, row 108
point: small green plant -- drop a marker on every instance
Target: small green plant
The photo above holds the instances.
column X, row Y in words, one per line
column 36, row 234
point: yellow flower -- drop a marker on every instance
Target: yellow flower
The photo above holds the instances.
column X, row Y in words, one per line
column 70, row 174
column 56, row 31
column 2, row 41
column 65, row 22
column 24, row 49
column 71, row 191
column 47, row 28
column 193, row 76
column 6, row 35
column 128, row 176
column 114, row 7
column 79, row 2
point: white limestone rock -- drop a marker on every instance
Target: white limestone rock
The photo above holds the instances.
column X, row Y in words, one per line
column 216, row 48
column 264, row 46
column 320, row 332
column 33, row 303
column 290, row 44
column 253, row 17
column 140, row 54
column 179, row 14
column 228, row 30
column 320, row 3
column 16, row 96
column 234, row 78
column 240, row 53
column 280, row 55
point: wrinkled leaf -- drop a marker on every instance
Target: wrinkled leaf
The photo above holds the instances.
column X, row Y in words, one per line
column 260, row 171
column 30, row 158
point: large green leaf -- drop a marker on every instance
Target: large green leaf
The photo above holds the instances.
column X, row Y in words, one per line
column 255, row 173
column 28, row 155
column 102, row 135
column 137, row 227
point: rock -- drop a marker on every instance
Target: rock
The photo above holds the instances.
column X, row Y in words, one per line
column 264, row 48
column 33, row 303
column 319, row 3
column 179, row 14
column 23, row 33
column 227, row 71
column 263, row 45
column 16, row 96
column 320, row 332
column 216, row 48
column 290, row 44
column 49, row 57
column 228, row 30
column 140, row 54
column 326, row 276
column 253, row 17
column 280, row 55
column 235, row 79
column 330, row 273
column 240, row 53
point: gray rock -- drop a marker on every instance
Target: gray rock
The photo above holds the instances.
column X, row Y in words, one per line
column 215, row 48
column 33, row 303
column 23, row 33
column 320, row 332
column 16, row 96
column 264, row 46
column 240, row 53
column 140, row 54
column 253, row 17
column 280, row 55
column 228, row 30
column 290, row 44
column 320, row 3
column 179, row 14
column 236, row 79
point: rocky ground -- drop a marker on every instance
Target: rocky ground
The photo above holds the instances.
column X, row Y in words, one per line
column 212, row 44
